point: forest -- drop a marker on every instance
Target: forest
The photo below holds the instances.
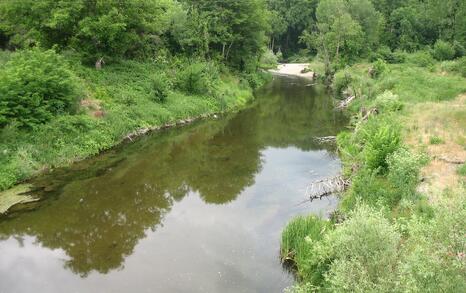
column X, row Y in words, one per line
column 80, row 77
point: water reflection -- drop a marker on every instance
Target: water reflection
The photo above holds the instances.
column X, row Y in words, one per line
column 97, row 211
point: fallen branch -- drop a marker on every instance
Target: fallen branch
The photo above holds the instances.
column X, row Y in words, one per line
column 345, row 103
column 327, row 186
column 325, row 139
column 367, row 114
column 450, row 161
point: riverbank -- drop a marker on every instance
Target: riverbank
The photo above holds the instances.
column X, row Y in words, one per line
column 118, row 102
column 401, row 224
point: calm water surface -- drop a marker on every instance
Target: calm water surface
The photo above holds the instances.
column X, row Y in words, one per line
column 194, row 209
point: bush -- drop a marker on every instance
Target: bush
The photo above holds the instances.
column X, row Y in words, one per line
column 358, row 256
column 198, row 78
column 34, row 86
column 378, row 67
column 462, row 170
column 421, row 58
column 364, row 253
column 341, row 81
column 460, row 51
column 435, row 140
column 388, row 102
column 382, row 139
column 161, row 86
column 433, row 255
column 443, row 51
column 404, row 170
column 268, row 59
column 458, row 66
column 369, row 188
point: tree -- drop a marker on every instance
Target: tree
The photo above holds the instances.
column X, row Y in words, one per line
column 235, row 30
column 338, row 37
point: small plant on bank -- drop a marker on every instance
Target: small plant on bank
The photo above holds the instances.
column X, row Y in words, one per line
column 381, row 141
column 388, row 102
column 161, row 86
column 443, row 51
column 462, row 170
column 436, row 140
column 378, row 67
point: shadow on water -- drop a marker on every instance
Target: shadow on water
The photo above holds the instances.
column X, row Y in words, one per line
column 98, row 210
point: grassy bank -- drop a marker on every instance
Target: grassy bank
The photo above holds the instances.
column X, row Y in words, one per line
column 400, row 226
column 112, row 102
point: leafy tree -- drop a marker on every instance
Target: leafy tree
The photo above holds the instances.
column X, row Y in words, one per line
column 338, row 34
column 95, row 28
column 289, row 20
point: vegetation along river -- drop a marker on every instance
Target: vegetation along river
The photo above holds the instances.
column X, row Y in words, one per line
column 192, row 209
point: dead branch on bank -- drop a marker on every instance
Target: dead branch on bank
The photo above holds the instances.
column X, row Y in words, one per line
column 327, row 186
column 325, row 139
column 345, row 103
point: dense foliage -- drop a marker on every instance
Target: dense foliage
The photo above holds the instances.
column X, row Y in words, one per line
column 156, row 61
column 35, row 86
column 341, row 31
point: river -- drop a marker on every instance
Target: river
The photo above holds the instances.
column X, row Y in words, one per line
column 198, row 208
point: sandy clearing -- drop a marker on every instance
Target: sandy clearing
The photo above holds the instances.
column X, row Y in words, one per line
column 293, row 69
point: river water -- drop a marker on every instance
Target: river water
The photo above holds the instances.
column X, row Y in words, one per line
column 192, row 209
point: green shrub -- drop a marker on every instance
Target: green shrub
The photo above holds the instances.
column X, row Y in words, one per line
column 435, row 140
column 378, row 67
column 462, row 170
column 443, row 51
column 381, row 140
column 268, row 59
column 434, row 253
column 341, row 81
column 388, row 102
column 359, row 255
column 421, row 58
column 384, row 53
column 254, row 79
column 404, row 170
column 363, row 251
column 458, row 66
column 369, row 188
column 161, row 86
column 460, row 51
column 198, row 78
column 34, row 86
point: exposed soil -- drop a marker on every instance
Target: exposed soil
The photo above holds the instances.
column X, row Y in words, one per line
column 439, row 129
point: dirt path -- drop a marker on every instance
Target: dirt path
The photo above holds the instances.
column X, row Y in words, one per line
column 293, row 69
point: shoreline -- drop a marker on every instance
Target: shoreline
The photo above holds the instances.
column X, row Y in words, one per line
column 294, row 69
column 20, row 193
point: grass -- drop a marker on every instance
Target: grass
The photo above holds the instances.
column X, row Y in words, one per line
column 294, row 236
column 297, row 241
